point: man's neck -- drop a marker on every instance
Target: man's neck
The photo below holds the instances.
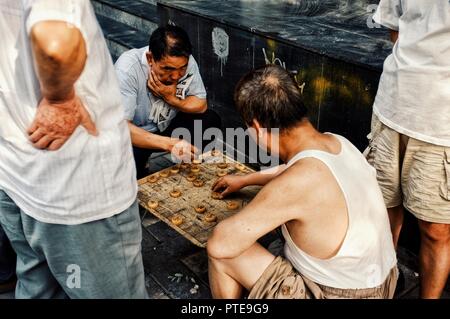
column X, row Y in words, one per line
column 296, row 140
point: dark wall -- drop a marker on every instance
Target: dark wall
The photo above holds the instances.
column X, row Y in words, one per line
column 338, row 94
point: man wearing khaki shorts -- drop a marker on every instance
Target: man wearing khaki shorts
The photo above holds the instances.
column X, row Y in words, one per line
column 410, row 135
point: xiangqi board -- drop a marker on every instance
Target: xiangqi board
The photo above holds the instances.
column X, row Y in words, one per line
column 181, row 195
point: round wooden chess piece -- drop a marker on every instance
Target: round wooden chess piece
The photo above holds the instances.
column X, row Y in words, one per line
column 175, row 193
column 200, row 209
column 152, row 179
column 152, row 204
column 232, row 205
column 216, row 195
column 164, row 173
column 177, row 220
column 210, row 217
column 198, row 183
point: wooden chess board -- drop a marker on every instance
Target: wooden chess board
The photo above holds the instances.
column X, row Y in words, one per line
column 178, row 179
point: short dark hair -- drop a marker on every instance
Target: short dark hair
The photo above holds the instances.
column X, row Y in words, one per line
column 169, row 40
column 271, row 96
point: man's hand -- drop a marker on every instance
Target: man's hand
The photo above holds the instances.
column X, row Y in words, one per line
column 55, row 122
column 191, row 104
column 181, row 150
column 60, row 55
column 159, row 89
column 228, row 184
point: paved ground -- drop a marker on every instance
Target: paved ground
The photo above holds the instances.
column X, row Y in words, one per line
column 175, row 268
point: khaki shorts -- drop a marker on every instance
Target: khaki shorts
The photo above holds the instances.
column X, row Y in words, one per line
column 281, row 281
column 411, row 172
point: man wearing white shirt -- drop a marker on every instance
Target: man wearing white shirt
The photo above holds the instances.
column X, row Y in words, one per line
column 162, row 90
column 67, row 177
column 410, row 136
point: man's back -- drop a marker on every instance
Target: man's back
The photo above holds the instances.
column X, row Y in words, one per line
column 413, row 96
column 89, row 177
column 342, row 239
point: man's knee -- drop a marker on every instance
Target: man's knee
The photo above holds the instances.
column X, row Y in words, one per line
column 221, row 265
column 433, row 232
column 213, row 251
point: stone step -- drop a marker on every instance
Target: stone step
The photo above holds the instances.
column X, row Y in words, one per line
column 150, row 1
column 139, row 15
column 121, row 37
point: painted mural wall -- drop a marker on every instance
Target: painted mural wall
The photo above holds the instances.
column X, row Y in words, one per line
column 339, row 92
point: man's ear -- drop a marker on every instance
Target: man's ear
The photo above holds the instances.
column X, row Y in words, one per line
column 256, row 126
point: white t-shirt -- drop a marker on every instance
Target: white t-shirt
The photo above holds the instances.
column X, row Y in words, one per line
column 414, row 91
column 89, row 178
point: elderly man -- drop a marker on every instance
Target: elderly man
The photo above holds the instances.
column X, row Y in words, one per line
column 162, row 90
column 67, row 183
column 326, row 200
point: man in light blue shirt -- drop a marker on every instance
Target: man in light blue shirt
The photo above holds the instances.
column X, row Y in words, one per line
column 162, row 90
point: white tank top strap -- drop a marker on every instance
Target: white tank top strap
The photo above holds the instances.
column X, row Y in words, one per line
column 321, row 155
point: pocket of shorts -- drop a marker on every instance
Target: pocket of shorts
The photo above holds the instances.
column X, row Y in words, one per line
column 368, row 152
column 445, row 185
column 375, row 130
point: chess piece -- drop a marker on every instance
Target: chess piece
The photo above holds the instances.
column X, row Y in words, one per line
column 200, row 209
column 177, row 220
column 152, row 179
column 164, row 174
column 232, row 205
column 210, row 218
column 175, row 193
column 198, row 183
column 152, row 204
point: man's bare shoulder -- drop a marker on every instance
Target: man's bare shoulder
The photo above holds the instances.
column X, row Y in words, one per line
column 300, row 181
column 303, row 173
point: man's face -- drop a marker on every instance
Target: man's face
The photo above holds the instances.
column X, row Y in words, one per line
column 170, row 69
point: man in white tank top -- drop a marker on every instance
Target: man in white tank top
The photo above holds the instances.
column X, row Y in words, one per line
column 326, row 199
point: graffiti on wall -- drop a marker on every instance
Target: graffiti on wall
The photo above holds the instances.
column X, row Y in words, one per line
column 220, row 42
column 272, row 59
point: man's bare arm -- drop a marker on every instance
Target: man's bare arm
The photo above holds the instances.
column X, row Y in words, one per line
column 233, row 183
column 277, row 203
column 60, row 56
column 190, row 104
column 143, row 139
column 263, row 177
